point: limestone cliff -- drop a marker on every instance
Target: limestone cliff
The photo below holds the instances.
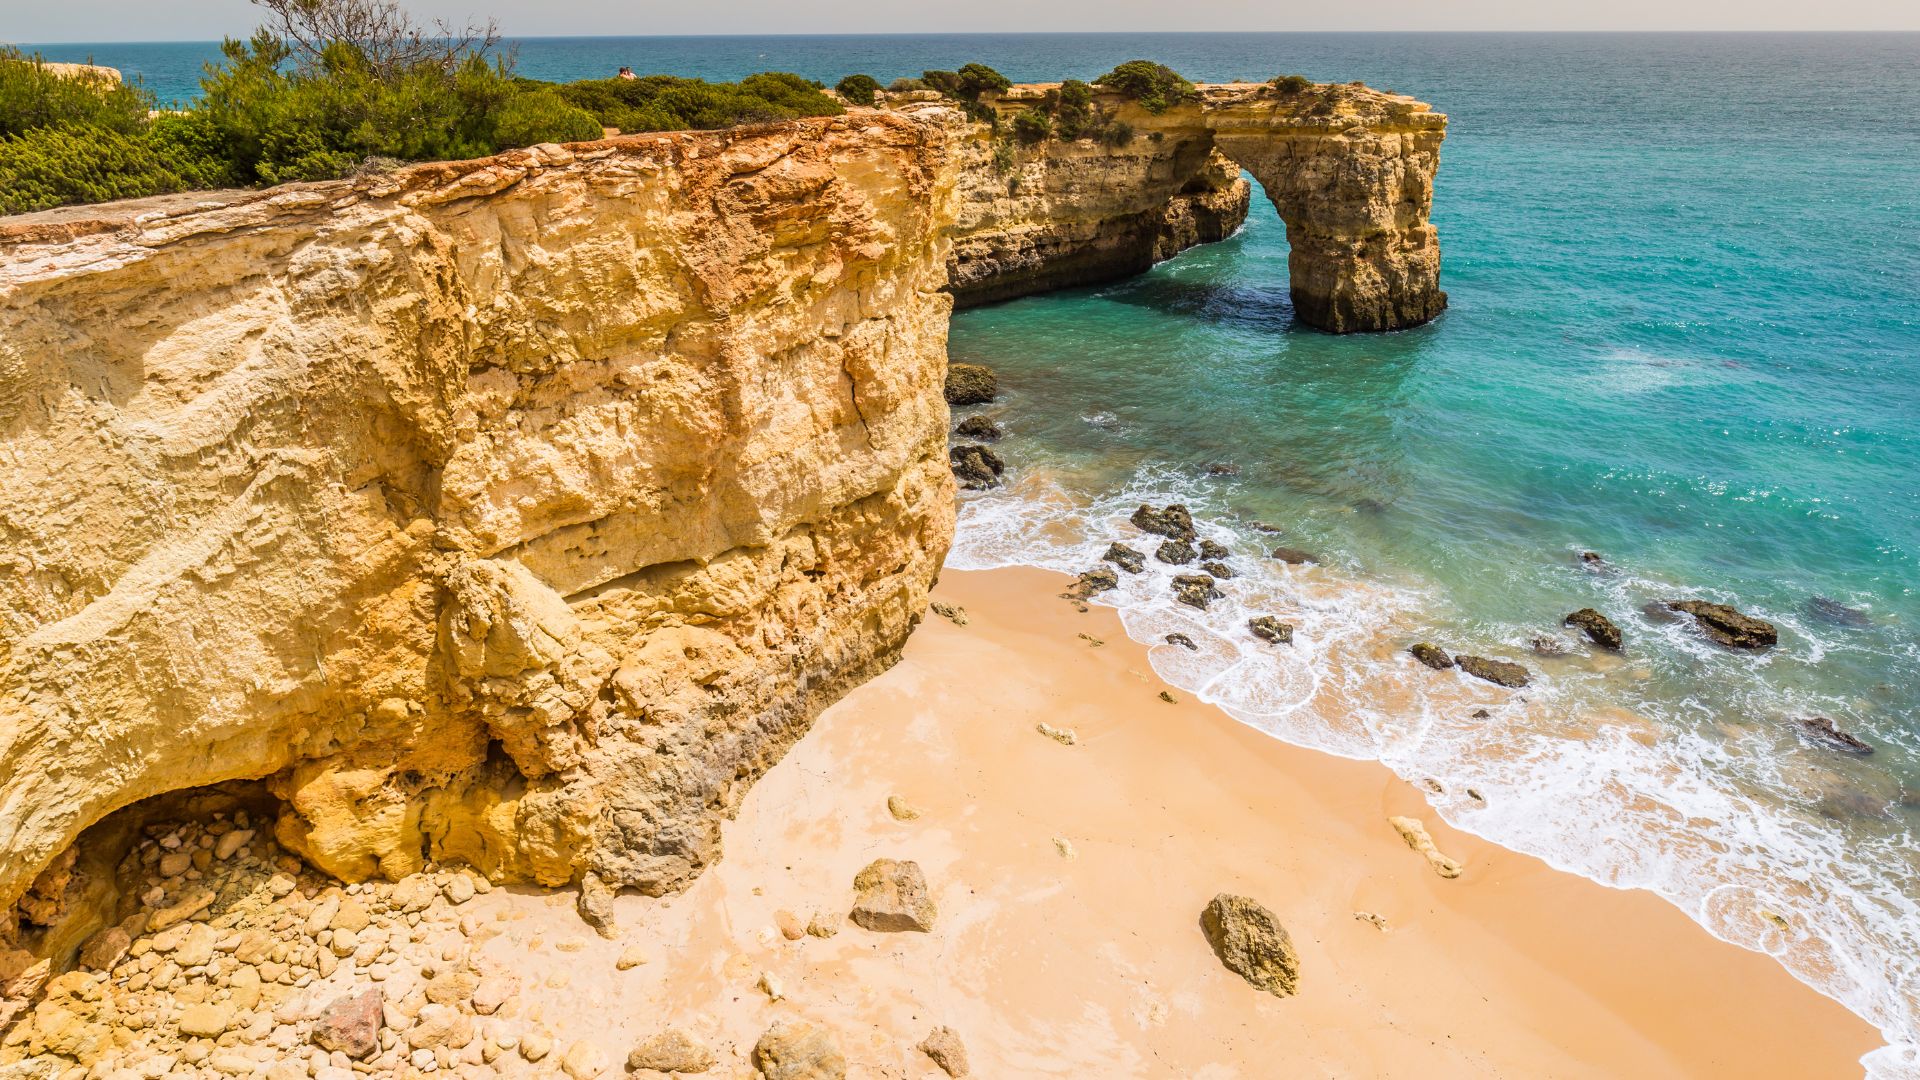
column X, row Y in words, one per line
column 516, row 512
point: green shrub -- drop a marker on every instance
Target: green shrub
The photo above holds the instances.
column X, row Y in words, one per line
column 1072, row 109
column 858, row 89
column 542, row 116
column 1003, row 156
column 900, row 86
column 1115, row 133
column 1291, row 84
column 669, row 103
column 967, row 84
column 1156, row 87
column 1032, row 126
column 189, row 145
column 32, row 96
column 54, row 166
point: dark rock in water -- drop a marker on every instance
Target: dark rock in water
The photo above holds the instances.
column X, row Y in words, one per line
column 971, row 384
column 1549, row 646
column 1294, row 556
column 1432, row 655
column 1826, row 733
column 1728, row 626
column 1598, row 628
column 1195, row 590
column 1503, row 672
column 1212, row 549
column 1218, row 569
column 976, row 467
column 1097, row 580
column 1183, row 641
column 1177, row 552
column 978, row 427
column 1174, row 521
column 1252, row 944
column 1267, row 527
column 1271, row 630
column 1481, row 714
column 1838, row 614
column 1223, row 468
column 1366, row 505
column 1656, row 612
column 1593, row 561
column 1125, row 558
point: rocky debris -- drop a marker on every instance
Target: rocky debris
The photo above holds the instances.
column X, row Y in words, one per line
column 1196, row 590
column 1431, row 655
column 1063, row 736
column 1728, row 626
column 1092, row 582
column 1835, row 613
column 1548, row 645
column 1271, row 630
column 891, row 896
column 1218, row 570
column 1126, row 558
column 901, row 809
column 1293, row 555
column 798, row 1050
column 971, row 384
column 979, row 428
column 944, row 1047
column 1173, row 521
column 1599, row 629
column 1183, row 641
column 1504, row 672
column 1176, row 552
column 1414, row 832
column 1213, row 549
column 1250, row 941
column 955, row 615
column 672, row 1051
column 351, row 1024
column 976, row 467
column 1828, row 734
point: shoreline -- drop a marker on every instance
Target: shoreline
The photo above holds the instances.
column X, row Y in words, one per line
column 1094, row 963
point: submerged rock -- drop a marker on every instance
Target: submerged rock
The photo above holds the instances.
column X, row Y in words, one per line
column 1223, row 468
column 978, row 427
column 1271, row 630
column 797, row 1050
column 1657, row 612
column 1431, row 655
column 1252, row 944
column 891, row 896
column 944, row 1047
column 1835, row 613
column 1594, row 561
column 1547, row 645
column 1825, row 732
column 1293, row 556
column 1173, row 521
column 1599, row 629
column 1177, row 552
column 1212, row 549
column 1183, row 641
column 971, row 384
column 976, row 467
column 1503, row 672
column 1195, row 590
column 1126, row 558
column 1218, row 570
column 1727, row 625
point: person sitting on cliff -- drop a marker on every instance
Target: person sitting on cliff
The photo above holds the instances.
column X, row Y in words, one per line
column 627, row 73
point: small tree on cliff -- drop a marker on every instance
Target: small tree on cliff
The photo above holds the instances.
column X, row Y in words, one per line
column 1156, row 87
column 387, row 38
column 858, row 89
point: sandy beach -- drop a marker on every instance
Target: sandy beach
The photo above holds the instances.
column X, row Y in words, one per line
column 1070, row 881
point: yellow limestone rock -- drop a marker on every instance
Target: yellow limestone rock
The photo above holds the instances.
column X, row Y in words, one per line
column 1414, row 832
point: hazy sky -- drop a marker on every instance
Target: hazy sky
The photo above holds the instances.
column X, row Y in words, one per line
column 193, row 20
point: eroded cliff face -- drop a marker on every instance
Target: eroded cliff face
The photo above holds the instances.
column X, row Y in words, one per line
column 516, row 512
column 1350, row 170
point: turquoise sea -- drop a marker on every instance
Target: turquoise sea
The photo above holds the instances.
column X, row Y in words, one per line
column 1685, row 333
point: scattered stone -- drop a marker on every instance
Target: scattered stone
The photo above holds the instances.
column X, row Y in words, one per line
column 797, row 1050
column 1252, row 944
column 351, row 1025
column 943, row 1045
column 1431, row 655
column 458, row 889
column 440, row 1025
column 1167, row 696
column 1177, row 552
column 1218, row 570
column 971, row 384
column 1064, row 848
column 230, row 843
column 769, row 985
column 1063, row 736
column 901, row 809
column 493, row 992
column 1092, row 642
column 823, row 925
column 1293, row 556
column 1213, row 549
column 1599, row 629
column 1379, row 921
column 1504, row 672
column 175, row 863
column 1183, row 641
column 980, row 428
column 1126, row 558
column 672, row 1051
column 1196, row 590
column 955, row 615
column 1414, row 832
column 891, row 896
column 1173, row 521
column 536, row 1045
column 789, row 925
column 1094, row 581
column 192, row 904
column 1271, row 630
column 105, row 949
column 631, row 957
column 976, row 467
column 206, row 1020
column 1728, row 626
column 1835, row 613
column 595, row 905
column 1546, row 645
column 1825, row 732
column 1481, row 714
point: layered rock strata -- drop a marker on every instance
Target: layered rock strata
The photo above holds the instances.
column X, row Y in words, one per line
column 515, row 512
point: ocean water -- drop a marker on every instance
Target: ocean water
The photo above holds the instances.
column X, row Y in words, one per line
column 1685, row 333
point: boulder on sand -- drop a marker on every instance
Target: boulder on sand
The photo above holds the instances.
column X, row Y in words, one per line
column 946, row 1050
column 672, row 1051
column 891, row 896
column 1728, row 626
column 1094, row 581
column 1173, row 521
column 1252, row 944
column 797, row 1050
column 971, row 384
column 1599, row 629
column 1503, row 672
